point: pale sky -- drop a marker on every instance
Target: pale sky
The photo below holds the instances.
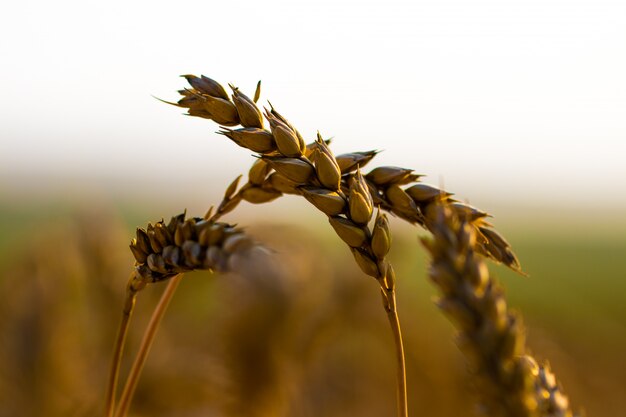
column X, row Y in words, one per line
column 516, row 100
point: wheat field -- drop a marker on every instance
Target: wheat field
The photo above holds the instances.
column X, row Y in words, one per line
column 214, row 354
column 284, row 323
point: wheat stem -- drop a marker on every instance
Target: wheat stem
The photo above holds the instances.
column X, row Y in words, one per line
column 394, row 322
column 146, row 344
column 129, row 305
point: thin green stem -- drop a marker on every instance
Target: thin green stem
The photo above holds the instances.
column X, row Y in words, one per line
column 146, row 344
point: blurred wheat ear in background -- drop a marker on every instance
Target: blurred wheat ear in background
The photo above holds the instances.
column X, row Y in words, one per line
column 509, row 380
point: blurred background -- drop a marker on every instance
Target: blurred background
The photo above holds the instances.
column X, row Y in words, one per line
column 516, row 106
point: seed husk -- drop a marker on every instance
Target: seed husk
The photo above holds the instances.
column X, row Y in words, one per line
column 389, row 175
column 179, row 236
column 215, row 258
column 236, row 242
column 361, row 204
column 349, row 162
column 499, row 248
column 258, row 195
column 326, row 166
column 365, row 262
column 282, row 184
column 286, row 141
column 311, row 149
column 203, row 235
column 230, row 205
column 329, row 202
column 255, row 139
column 154, row 242
column 156, row 263
column 360, row 210
column 400, row 200
column 424, row 193
column 139, row 255
column 293, row 169
column 381, row 236
column 162, row 234
column 249, row 113
column 222, row 111
column 258, row 172
column 216, row 234
column 192, row 252
column 143, row 241
column 207, row 86
column 465, row 211
column 172, row 255
column 353, row 235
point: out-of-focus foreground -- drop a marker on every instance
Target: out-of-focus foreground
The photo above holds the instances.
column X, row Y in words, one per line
column 308, row 339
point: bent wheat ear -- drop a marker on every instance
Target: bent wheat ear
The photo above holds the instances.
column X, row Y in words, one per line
column 491, row 337
column 385, row 183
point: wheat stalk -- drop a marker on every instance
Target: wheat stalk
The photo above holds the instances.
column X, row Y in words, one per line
column 118, row 349
column 144, row 348
column 162, row 252
column 510, row 381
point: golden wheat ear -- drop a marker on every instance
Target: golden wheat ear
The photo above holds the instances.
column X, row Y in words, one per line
column 394, row 189
column 492, row 338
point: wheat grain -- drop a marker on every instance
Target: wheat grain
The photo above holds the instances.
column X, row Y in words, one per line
column 510, row 382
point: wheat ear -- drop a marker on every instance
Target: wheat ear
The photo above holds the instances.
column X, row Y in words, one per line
column 511, row 382
column 269, row 178
column 162, row 252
